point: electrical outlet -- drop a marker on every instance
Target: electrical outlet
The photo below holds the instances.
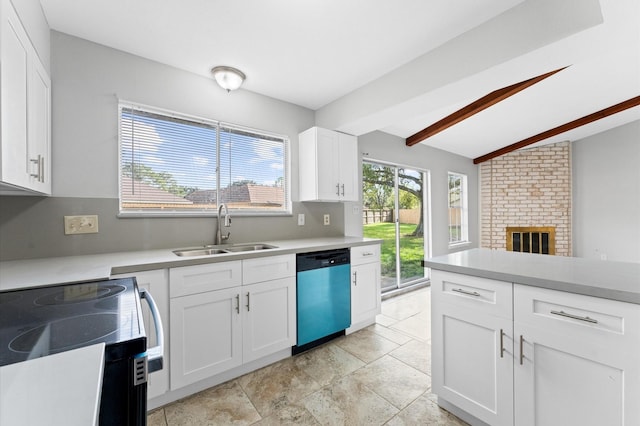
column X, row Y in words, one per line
column 81, row 224
column 327, row 219
column 300, row 219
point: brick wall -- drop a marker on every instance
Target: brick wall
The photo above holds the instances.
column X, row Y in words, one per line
column 527, row 188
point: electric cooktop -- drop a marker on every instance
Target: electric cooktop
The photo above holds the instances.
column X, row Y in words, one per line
column 40, row 321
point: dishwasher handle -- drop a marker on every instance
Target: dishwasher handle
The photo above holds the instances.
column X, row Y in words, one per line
column 156, row 353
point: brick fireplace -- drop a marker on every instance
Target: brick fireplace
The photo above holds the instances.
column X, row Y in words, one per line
column 524, row 189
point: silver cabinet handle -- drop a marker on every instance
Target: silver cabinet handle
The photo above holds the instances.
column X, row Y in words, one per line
column 367, row 253
column 343, row 189
column 238, row 303
column 248, row 303
column 155, row 354
column 521, row 349
column 355, row 277
column 469, row 293
column 338, row 189
column 40, row 163
column 501, row 343
column 576, row 317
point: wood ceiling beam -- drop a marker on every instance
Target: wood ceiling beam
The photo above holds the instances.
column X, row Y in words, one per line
column 476, row 107
column 629, row 103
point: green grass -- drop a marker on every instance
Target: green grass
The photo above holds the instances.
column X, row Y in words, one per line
column 411, row 248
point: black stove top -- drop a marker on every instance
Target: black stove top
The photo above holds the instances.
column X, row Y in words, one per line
column 41, row 321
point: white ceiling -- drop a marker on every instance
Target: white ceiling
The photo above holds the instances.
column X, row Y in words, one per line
column 396, row 66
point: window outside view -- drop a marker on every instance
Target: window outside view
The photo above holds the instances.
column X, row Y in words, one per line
column 179, row 165
column 394, row 205
column 457, row 208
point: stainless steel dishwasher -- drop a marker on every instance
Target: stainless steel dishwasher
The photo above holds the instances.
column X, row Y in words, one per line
column 323, row 297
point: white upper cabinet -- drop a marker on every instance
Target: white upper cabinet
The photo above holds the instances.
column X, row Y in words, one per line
column 328, row 166
column 25, row 110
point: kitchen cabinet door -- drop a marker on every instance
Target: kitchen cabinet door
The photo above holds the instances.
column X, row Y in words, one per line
column 365, row 285
column 578, row 363
column 328, row 166
column 14, row 66
column 25, row 105
column 472, row 345
column 206, row 335
column 269, row 317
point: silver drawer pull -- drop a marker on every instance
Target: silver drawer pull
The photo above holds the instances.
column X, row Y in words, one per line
column 576, row 317
column 470, row 293
column 367, row 253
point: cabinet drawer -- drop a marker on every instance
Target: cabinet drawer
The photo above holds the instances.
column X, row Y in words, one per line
column 365, row 254
column 268, row 268
column 483, row 295
column 575, row 314
column 186, row 280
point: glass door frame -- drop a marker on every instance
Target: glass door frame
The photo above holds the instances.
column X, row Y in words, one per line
column 426, row 212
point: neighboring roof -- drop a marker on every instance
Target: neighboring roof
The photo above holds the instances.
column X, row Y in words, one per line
column 135, row 191
column 246, row 193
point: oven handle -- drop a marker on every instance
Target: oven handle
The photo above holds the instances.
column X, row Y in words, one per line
column 154, row 354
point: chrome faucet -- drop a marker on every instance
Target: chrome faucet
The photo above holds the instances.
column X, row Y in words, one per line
column 227, row 223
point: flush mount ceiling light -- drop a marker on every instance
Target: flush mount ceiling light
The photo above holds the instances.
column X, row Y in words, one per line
column 228, row 78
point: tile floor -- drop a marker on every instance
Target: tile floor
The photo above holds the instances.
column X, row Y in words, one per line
column 380, row 375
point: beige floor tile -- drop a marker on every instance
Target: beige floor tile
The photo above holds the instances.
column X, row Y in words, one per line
column 289, row 415
column 423, row 411
column 366, row 345
column 393, row 380
column 417, row 326
column 416, row 354
column 328, row 363
column 224, row 404
column 156, row 418
column 385, row 320
column 393, row 335
column 407, row 305
column 277, row 385
column 349, row 402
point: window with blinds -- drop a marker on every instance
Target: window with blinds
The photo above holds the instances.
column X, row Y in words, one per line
column 458, row 214
column 178, row 165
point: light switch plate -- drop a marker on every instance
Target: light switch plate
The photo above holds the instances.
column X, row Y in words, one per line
column 87, row 224
column 300, row 219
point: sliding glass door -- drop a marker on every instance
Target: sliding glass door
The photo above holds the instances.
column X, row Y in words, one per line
column 396, row 211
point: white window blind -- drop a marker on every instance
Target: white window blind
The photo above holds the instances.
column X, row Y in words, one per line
column 177, row 165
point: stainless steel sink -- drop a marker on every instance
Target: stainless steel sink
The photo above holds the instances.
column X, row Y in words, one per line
column 198, row 252
column 210, row 251
column 248, row 247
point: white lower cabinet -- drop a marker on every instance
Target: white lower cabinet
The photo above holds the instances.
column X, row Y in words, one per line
column 157, row 283
column 560, row 359
column 365, row 284
column 472, row 363
column 218, row 329
column 579, row 362
column 206, row 335
column 269, row 318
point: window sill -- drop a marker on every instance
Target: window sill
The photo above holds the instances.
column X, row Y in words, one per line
column 459, row 245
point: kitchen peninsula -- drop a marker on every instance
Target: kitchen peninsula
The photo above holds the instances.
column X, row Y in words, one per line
column 527, row 339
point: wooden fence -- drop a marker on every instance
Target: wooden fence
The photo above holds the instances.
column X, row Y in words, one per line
column 377, row 216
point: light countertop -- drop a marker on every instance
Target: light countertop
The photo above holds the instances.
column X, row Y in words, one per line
column 54, row 270
column 606, row 279
column 56, row 390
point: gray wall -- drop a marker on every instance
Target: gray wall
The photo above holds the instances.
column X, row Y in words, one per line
column 384, row 147
column 87, row 80
column 606, row 195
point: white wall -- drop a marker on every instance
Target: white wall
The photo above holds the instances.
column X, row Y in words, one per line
column 392, row 149
column 606, row 195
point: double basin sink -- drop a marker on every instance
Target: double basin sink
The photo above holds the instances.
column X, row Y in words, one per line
column 213, row 250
